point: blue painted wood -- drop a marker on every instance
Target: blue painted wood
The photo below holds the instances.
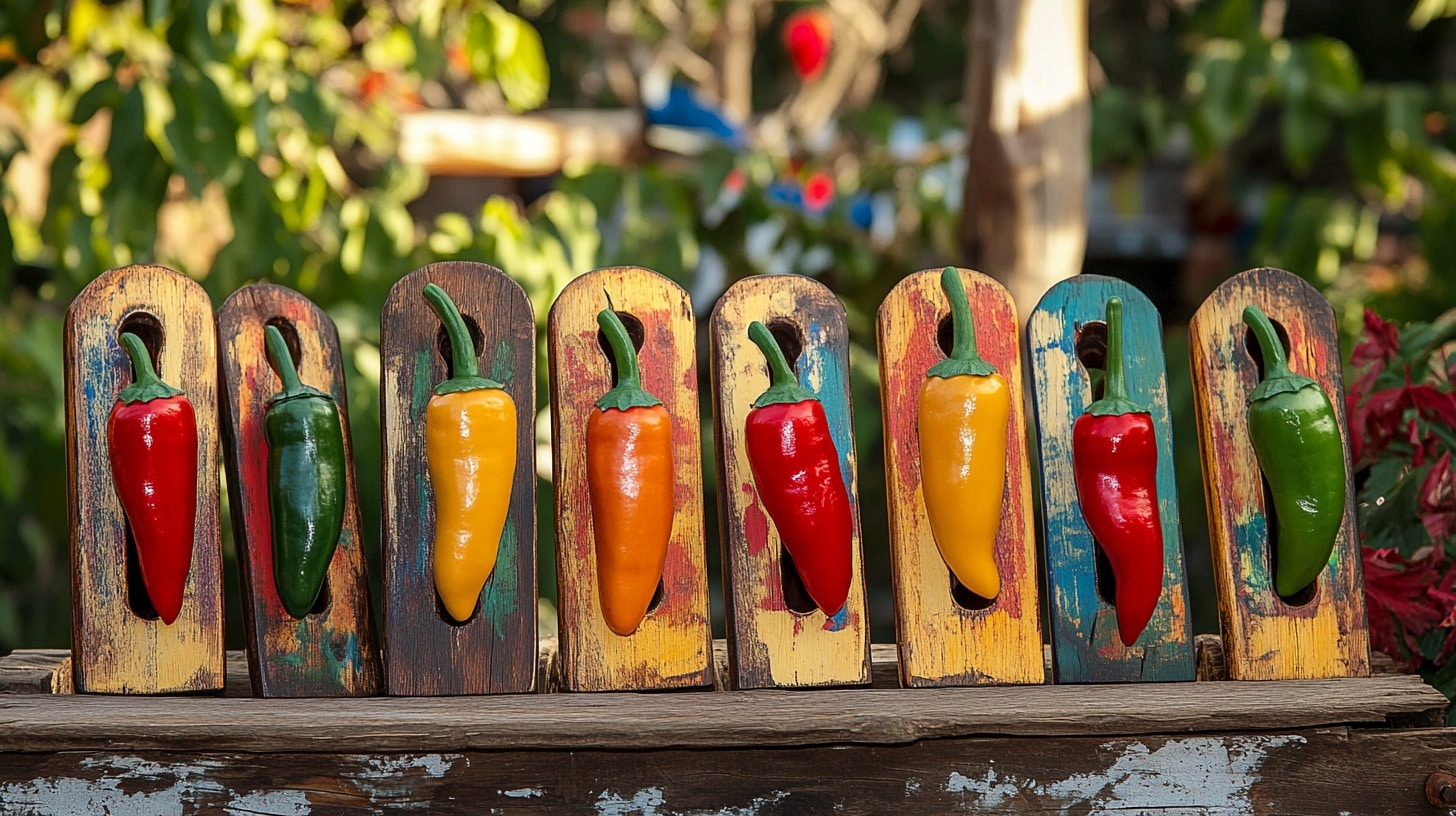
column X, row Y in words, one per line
column 1085, row 645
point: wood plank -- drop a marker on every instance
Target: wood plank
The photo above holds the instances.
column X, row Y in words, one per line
column 1283, row 772
column 769, row 644
column 942, row 642
column 671, row 647
column 495, row 651
column 1267, row 639
column 760, row 718
column 332, row 652
column 120, row 651
column 1085, row 642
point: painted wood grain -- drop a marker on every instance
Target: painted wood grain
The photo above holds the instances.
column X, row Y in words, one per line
column 671, row 647
column 495, row 651
column 770, row 645
column 1265, row 638
column 1324, row 771
column 1085, row 644
column 941, row 642
column 332, row 652
column 119, row 651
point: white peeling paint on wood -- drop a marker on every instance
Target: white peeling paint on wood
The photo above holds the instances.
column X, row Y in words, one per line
column 1210, row 774
column 522, row 793
column 188, row 782
column 651, row 802
column 391, row 777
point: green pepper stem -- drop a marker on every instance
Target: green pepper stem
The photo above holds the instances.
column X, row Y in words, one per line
column 462, row 347
column 282, row 359
column 141, row 360
column 1116, row 383
column 628, row 392
column 1276, row 364
column 783, row 385
column 964, row 357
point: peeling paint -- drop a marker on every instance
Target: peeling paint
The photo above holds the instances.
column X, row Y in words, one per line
column 273, row 803
column 188, row 783
column 522, row 793
column 646, row 802
column 989, row 791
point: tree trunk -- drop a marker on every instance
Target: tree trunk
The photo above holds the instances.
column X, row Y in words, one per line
column 1028, row 125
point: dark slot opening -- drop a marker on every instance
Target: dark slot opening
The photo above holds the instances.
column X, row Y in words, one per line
column 149, row 329
column 442, row 344
column 444, row 615
column 657, row 597
column 321, row 603
column 945, row 335
column 634, row 331
column 796, row 597
column 965, row 598
column 1307, row 593
column 790, row 339
column 1091, row 348
column 290, row 339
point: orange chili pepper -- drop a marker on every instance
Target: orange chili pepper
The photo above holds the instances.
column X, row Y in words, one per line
column 629, row 478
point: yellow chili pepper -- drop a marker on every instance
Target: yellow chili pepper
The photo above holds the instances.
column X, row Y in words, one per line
column 964, row 410
column 470, row 449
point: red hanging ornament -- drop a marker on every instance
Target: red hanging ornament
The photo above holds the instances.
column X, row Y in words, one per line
column 807, row 38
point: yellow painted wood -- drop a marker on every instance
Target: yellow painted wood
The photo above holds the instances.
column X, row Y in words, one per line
column 942, row 643
column 672, row 646
column 118, row 652
column 770, row 645
column 1264, row 638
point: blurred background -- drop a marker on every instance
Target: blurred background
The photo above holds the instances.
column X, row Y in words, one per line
column 334, row 145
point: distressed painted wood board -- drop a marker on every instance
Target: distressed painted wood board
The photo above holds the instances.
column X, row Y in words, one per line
column 1321, row 771
column 494, row 651
column 671, row 647
column 119, row 650
column 1265, row 638
column 334, row 651
column 769, row 644
column 1085, row 644
column 941, row 641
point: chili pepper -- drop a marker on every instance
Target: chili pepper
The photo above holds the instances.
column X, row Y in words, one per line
column 306, row 481
column 1297, row 442
column 152, row 436
column 470, row 450
column 796, row 468
column 1115, row 463
column 965, row 408
column 629, row 477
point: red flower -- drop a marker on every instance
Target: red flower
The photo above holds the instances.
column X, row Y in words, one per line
column 1382, row 341
column 1438, row 502
column 818, row 192
column 1400, row 590
column 807, row 39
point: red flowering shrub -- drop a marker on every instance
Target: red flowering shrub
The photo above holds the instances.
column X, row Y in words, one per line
column 1402, row 409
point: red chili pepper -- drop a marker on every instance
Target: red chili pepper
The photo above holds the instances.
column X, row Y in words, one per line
column 1115, row 459
column 152, row 436
column 796, row 468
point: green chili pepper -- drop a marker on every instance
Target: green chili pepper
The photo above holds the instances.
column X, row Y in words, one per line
column 306, row 482
column 1297, row 441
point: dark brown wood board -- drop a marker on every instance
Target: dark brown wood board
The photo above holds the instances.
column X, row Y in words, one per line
column 770, row 644
column 334, row 651
column 671, row 647
column 1266, row 638
column 1085, row 642
column 943, row 641
column 120, row 651
column 494, row 652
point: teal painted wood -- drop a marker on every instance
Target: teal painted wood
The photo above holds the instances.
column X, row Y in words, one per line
column 1085, row 645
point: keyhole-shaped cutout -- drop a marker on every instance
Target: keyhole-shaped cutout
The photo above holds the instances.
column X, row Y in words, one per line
column 149, row 329
column 1091, row 349
column 635, row 333
column 796, row 596
column 1306, row 594
column 447, row 353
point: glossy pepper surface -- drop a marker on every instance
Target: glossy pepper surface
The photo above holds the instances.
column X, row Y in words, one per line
column 630, row 480
column 964, row 410
column 152, row 438
column 796, row 467
column 306, row 482
column 470, row 452
column 1115, row 462
column 1297, row 442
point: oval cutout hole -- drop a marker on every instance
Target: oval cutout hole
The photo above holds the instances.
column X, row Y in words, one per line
column 1091, row 348
column 945, row 335
column 635, row 331
column 290, row 339
column 1103, row 577
column 657, row 597
column 796, row 595
column 445, row 616
column 790, row 339
column 149, row 329
column 321, row 603
column 442, row 345
column 965, row 598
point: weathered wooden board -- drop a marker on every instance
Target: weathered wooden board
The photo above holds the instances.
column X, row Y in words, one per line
column 1085, row 643
column 334, row 651
column 121, row 650
column 671, row 648
column 495, row 651
column 1266, row 638
column 770, row 644
column 1281, row 772
column 942, row 642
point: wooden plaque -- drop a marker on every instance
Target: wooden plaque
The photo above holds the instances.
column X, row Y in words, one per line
column 941, row 641
column 769, row 644
column 671, row 648
column 332, row 652
column 119, row 646
column 494, row 651
column 1265, row 638
column 1085, row 644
